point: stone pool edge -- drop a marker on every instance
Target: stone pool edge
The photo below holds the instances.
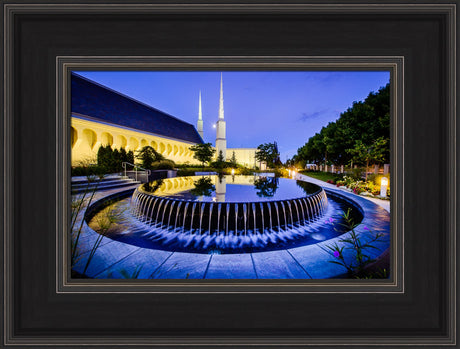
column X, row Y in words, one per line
column 115, row 260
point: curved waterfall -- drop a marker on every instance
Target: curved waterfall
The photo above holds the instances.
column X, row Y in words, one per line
column 226, row 218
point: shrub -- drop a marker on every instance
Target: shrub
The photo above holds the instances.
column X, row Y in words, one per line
column 246, row 171
column 92, row 170
column 149, row 157
column 111, row 159
column 163, row 165
column 187, row 172
column 356, row 173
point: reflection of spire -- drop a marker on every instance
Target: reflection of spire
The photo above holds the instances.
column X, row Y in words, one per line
column 221, row 141
column 221, row 100
column 221, row 188
column 199, row 125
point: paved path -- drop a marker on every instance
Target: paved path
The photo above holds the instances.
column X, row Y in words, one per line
column 385, row 204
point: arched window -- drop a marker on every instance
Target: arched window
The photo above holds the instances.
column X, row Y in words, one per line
column 106, row 138
column 121, row 141
column 154, row 145
column 90, row 137
column 133, row 143
column 162, row 148
column 73, row 136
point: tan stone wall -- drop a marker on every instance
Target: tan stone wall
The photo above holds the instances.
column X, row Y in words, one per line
column 87, row 136
column 244, row 156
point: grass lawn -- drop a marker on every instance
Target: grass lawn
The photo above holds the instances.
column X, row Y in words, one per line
column 322, row 176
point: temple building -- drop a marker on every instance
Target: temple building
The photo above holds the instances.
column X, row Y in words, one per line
column 244, row 156
column 102, row 116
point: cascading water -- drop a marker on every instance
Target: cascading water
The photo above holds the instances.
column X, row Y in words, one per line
column 214, row 218
column 230, row 215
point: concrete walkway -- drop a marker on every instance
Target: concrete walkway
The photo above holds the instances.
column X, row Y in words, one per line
column 385, row 204
column 117, row 260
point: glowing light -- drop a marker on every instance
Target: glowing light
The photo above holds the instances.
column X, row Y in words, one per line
column 384, row 181
column 383, row 187
column 233, row 171
column 293, row 173
column 214, row 125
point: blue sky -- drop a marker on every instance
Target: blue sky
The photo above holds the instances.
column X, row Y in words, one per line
column 260, row 107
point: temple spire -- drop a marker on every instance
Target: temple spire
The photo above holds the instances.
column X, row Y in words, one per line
column 221, row 100
column 221, row 139
column 199, row 124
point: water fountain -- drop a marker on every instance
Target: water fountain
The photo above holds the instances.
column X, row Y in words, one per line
column 232, row 210
column 229, row 214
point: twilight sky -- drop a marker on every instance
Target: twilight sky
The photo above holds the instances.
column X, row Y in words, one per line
column 260, row 107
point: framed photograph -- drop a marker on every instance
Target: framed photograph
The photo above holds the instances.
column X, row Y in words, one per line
column 229, row 174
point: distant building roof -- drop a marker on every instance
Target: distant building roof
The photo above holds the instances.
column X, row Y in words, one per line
column 101, row 103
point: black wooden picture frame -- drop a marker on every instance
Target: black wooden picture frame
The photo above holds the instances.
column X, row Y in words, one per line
column 416, row 41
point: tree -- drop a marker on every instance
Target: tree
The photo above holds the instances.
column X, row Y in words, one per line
column 365, row 121
column 123, row 155
column 233, row 160
column 267, row 153
column 203, row 152
column 130, row 157
column 220, row 161
column 147, row 156
column 374, row 152
column 104, row 155
column 203, row 187
column 267, row 186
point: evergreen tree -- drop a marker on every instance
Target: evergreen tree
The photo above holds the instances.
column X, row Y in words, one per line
column 130, row 157
column 233, row 160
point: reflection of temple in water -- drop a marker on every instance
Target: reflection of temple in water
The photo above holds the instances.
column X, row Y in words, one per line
column 172, row 186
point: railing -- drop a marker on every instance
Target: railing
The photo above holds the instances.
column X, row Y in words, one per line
column 135, row 167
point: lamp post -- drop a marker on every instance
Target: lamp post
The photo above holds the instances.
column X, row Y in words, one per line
column 383, row 187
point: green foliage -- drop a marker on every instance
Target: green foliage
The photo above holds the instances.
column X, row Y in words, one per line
column 359, row 249
column 105, row 220
column 266, row 186
column 268, row 153
column 323, row 176
column 220, row 162
column 165, row 164
column 148, row 156
column 187, row 171
column 364, row 154
column 203, row 187
column 87, row 170
column 245, row 171
column 110, row 160
column 357, row 173
column 233, row 161
column 203, row 152
column 130, row 157
column 366, row 122
column 152, row 187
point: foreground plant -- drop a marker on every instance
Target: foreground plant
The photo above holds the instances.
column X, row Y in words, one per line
column 105, row 220
column 353, row 242
column 78, row 205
